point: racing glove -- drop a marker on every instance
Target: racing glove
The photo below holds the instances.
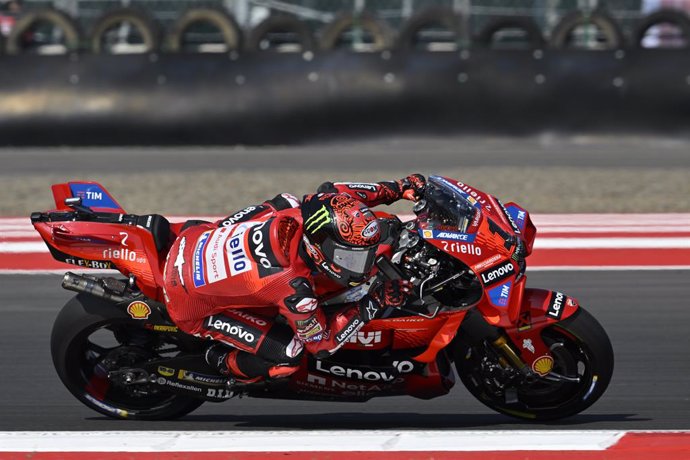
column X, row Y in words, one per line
column 391, row 293
column 412, row 186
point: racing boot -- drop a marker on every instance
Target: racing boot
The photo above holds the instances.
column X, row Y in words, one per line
column 224, row 360
column 245, row 367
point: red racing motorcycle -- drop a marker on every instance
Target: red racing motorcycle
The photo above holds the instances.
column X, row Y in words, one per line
column 529, row 353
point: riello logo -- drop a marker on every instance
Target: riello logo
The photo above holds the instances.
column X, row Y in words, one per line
column 121, row 254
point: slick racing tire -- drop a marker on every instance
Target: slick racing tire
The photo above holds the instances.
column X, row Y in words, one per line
column 608, row 31
column 533, row 37
column 431, row 17
column 140, row 21
column 378, row 32
column 259, row 38
column 80, row 361
column 69, row 29
column 676, row 18
column 580, row 348
column 222, row 21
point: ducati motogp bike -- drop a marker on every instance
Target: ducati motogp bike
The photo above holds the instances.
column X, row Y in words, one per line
column 532, row 354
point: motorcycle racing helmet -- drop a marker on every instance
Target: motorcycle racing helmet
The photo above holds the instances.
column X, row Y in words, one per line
column 341, row 236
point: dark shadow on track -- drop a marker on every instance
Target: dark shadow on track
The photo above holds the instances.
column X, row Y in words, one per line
column 358, row 420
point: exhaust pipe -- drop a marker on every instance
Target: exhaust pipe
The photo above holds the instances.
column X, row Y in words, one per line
column 77, row 283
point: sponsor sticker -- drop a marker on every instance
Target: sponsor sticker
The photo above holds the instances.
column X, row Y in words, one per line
column 200, row 378
column 99, row 264
column 214, row 255
column 486, row 262
column 242, row 216
column 500, row 294
column 361, row 186
column 556, row 305
column 309, row 330
column 261, row 251
column 199, row 276
column 447, row 235
column 366, row 339
column 372, row 374
column 235, row 330
column 518, row 215
column 166, row 371
column 92, row 195
column 138, row 310
column 371, row 229
column 498, row 273
column 238, row 260
column 543, row 365
column 164, row 328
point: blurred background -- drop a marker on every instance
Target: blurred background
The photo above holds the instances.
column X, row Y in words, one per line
column 518, row 97
column 275, row 71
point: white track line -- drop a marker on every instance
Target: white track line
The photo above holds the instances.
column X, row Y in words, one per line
column 306, row 441
column 13, row 247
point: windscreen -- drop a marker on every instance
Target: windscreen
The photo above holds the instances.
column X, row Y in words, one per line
column 448, row 205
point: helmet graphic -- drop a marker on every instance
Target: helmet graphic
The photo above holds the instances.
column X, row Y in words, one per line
column 341, row 236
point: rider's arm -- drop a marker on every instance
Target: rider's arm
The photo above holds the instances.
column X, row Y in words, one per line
column 376, row 193
column 321, row 336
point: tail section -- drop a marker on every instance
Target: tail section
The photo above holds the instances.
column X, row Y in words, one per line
column 93, row 195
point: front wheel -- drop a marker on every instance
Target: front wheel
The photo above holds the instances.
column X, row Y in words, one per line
column 581, row 350
column 91, row 339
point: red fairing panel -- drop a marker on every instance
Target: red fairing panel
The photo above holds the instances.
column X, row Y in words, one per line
column 539, row 308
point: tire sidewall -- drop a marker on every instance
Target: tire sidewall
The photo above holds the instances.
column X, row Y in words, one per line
column 81, row 315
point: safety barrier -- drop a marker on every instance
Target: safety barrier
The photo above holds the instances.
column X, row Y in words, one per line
column 285, row 97
column 129, row 30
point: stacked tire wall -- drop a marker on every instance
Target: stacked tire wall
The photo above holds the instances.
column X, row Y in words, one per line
column 253, row 93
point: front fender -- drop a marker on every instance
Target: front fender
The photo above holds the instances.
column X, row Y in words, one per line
column 539, row 308
column 545, row 307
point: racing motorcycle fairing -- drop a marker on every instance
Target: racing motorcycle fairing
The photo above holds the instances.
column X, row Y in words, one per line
column 97, row 234
column 93, row 195
column 539, row 308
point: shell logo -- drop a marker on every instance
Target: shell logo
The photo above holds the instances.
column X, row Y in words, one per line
column 543, row 365
column 138, row 310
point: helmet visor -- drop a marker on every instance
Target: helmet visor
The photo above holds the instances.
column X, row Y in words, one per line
column 356, row 260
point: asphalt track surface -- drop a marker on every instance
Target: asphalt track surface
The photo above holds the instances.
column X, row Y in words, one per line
column 646, row 314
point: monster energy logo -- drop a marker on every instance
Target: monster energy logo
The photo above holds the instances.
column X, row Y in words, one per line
column 318, row 220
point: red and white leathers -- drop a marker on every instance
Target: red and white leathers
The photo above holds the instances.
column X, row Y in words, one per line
column 254, row 260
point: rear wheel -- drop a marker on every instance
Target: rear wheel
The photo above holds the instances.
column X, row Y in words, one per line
column 86, row 346
column 582, row 354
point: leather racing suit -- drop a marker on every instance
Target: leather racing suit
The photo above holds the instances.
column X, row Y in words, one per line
column 232, row 280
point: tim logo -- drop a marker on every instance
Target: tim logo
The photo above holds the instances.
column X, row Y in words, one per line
column 366, row 339
column 90, row 195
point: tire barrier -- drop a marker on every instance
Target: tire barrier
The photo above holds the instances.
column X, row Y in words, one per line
column 269, row 98
column 259, row 38
column 442, row 17
column 145, row 29
column 533, row 37
column 217, row 18
column 675, row 18
column 562, row 34
column 379, row 32
column 70, row 33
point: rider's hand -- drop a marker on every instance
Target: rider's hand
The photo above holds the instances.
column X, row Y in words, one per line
column 391, row 293
column 412, row 186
